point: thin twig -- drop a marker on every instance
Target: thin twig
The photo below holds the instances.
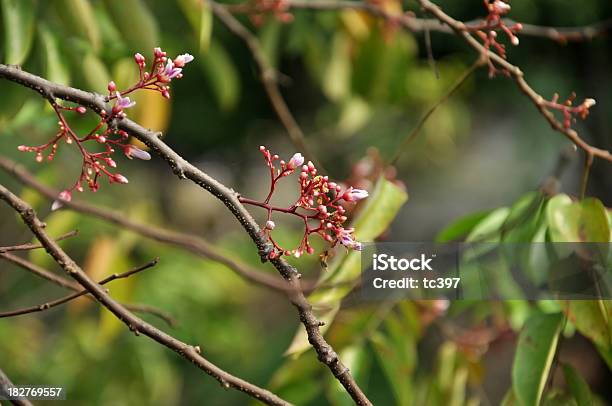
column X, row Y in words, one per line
column 185, row 170
column 417, row 128
column 30, row 246
column 135, row 324
column 515, row 72
column 269, row 80
column 6, row 383
column 588, row 163
column 68, row 298
column 69, row 284
column 414, row 24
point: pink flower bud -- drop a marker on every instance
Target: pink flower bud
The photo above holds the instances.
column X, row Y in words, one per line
column 111, row 86
column 588, row 103
column 296, row 160
column 64, row 196
column 352, row 195
column 81, row 110
column 515, row 41
column 158, row 52
column 270, row 225
column 22, row 148
column 133, row 152
column 120, row 178
column 140, row 60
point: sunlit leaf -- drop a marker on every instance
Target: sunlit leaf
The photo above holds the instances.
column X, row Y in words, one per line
column 534, row 355
column 200, row 17
column 18, row 20
column 222, row 75
column 136, row 24
column 592, row 319
column 94, row 73
column 79, row 18
column 56, row 69
column 583, row 221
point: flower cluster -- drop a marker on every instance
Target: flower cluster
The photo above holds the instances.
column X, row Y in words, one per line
column 568, row 110
column 487, row 30
column 100, row 164
column 322, row 205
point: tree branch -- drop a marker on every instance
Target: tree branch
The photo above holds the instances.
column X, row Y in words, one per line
column 515, row 72
column 5, row 383
column 29, row 246
column 78, row 293
column 184, row 169
column 135, row 324
column 414, row 24
column 68, row 284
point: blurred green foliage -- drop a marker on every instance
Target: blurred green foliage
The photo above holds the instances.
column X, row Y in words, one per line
column 354, row 84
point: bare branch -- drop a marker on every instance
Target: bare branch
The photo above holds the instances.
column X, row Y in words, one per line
column 135, row 324
column 515, row 72
column 69, row 284
column 230, row 199
column 5, row 383
column 79, row 293
column 29, row 246
column 414, row 24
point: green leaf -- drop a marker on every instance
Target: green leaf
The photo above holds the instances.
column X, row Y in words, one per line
column 461, row 227
column 95, row 74
column 381, row 208
column 577, row 386
column 200, row 17
column 583, row 221
column 55, row 68
column 523, row 220
column 592, row 319
column 18, row 20
column 488, row 228
column 534, row 355
column 78, row 18
column 337, row 78
column 222, row 75
column 136, row 24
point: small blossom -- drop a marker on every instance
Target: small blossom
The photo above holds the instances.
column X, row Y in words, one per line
column 64, row 196
column 182, row 60
column 352, row 195
column 112, row 87
column 134, row 152
column 296, row 160
column 270, row 225
column 588, row 103
column 122, row 103
column 81, row 110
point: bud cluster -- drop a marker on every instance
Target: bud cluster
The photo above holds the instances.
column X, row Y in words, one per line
column 321, row 204
column 487, row 30
column 105, row 133
column 569, row 110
